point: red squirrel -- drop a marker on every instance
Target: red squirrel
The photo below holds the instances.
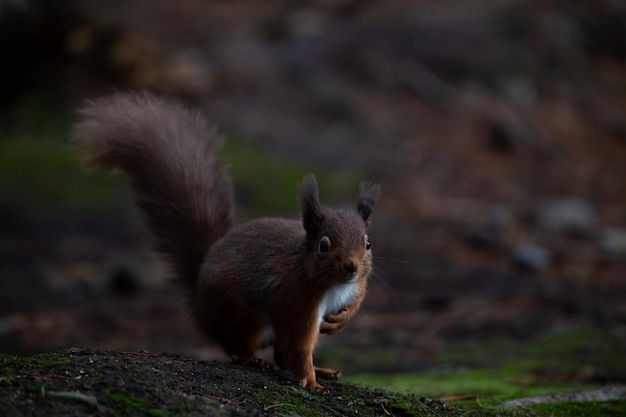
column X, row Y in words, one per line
column 267, row 281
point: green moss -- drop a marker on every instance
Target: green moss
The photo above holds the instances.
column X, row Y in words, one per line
column 266, row 183
column 39, row 169
column 49, row 361
column 481, row 376
column 490, row 386
column 501, row 369
column 582, row 409
column 110, row 385
column 126, row 403
column 47, row 174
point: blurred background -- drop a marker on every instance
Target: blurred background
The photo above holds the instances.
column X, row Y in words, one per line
column 497, row 129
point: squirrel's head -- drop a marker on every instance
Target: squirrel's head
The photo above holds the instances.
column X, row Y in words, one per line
column 337, row 241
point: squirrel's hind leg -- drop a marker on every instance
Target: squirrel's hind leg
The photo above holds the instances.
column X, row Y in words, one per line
column 241, row 340
column 241, row 350
column 251, row 360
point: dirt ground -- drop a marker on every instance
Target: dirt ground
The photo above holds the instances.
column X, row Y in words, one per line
column 108, row 383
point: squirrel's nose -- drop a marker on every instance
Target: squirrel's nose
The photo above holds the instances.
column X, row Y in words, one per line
column 350, row 267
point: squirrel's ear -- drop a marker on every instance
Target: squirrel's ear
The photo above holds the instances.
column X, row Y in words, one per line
column 310, row 204
column 367, row 199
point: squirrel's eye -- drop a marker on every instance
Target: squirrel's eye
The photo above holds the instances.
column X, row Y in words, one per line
column 324, row 245
column 368, row 245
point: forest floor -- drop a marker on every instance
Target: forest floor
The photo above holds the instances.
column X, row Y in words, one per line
column 497, row 132
column 108, row 383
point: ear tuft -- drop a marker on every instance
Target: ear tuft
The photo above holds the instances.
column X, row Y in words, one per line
column 367, row 199
column 312, row 217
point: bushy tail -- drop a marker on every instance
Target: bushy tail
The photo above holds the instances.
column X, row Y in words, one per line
column 170, row 155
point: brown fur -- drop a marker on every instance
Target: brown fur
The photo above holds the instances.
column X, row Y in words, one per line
column 169, row 154
column 275, row 274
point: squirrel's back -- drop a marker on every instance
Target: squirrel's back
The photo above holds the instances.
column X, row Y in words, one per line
column 170, row 155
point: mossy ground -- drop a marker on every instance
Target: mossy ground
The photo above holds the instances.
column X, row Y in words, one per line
column 84, row 382
column 88, row 382
column 471, row 374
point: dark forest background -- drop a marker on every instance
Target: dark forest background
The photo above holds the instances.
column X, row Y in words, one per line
column 496, row 128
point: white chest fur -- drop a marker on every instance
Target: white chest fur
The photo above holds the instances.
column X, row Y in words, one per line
column 336, row 298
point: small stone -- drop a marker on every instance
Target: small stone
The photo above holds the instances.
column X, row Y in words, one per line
column 612, row 242
column 509, row 133
column 490, row 232
column 531, row 257
column 570, row 216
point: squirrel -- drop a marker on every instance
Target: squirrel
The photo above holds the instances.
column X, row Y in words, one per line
column 267, row 281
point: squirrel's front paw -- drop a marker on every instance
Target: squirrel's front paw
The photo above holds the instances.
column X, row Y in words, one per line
column 332, row 323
